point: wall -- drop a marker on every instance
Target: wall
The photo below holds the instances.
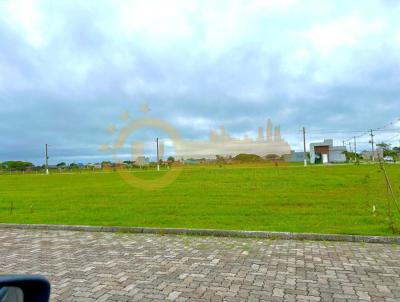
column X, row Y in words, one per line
column 337, row 156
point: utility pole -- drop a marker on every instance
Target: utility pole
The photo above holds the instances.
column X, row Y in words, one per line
column 158, row 159
column 304, row 145
column 355, row 145
column 344, row 145
column 372, row 145
column 47, row 162
column 355, row 149
column 351, row 151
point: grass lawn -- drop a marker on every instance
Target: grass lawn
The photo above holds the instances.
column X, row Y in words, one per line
column 324, row 199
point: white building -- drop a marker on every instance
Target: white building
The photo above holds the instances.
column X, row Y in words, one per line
column 325, row 152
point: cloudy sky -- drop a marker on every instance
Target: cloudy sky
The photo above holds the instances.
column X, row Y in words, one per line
column 69, row 69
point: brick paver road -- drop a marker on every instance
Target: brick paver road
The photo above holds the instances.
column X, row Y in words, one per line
column 85, row 266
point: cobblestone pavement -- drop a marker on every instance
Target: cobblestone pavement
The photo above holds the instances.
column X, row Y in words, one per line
column 89, row 266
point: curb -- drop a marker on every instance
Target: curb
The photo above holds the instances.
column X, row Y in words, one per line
column 208, row 232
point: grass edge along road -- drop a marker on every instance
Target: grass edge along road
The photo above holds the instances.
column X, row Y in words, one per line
column 336, row 199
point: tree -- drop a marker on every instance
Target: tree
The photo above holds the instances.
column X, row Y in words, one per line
column 171, row 158
column 62, row 164
column 16, row 165
column 351, row 156
column 392, row 153
column 383, row 146
column 220, row 159
column 388, row 151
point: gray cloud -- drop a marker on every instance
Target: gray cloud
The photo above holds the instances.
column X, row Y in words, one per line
column 68, row 69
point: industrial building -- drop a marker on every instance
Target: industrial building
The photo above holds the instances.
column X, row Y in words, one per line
column 268, row 142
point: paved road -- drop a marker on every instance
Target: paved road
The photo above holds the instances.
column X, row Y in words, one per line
column 84, row 266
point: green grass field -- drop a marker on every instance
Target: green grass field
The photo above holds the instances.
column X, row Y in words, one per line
column 323, row 199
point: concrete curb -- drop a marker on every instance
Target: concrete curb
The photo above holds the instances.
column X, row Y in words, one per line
column 207, row 232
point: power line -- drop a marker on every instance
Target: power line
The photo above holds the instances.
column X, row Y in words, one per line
column 379, row 129
column 338, row 131
column 392, row 138
column 387, row 125
column 333, row 131
column 355, row 145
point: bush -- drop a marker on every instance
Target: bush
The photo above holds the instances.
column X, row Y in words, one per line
column 243, row 157
column 16, row 165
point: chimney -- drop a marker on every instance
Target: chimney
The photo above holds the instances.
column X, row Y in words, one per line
column 260, row 135
column 269, row 131
column 277, row 134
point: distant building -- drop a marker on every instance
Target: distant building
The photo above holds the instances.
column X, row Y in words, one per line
column 325, row 152
column 295, row 156
column 368, row 154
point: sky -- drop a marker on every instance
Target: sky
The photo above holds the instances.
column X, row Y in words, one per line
column 72, row 71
